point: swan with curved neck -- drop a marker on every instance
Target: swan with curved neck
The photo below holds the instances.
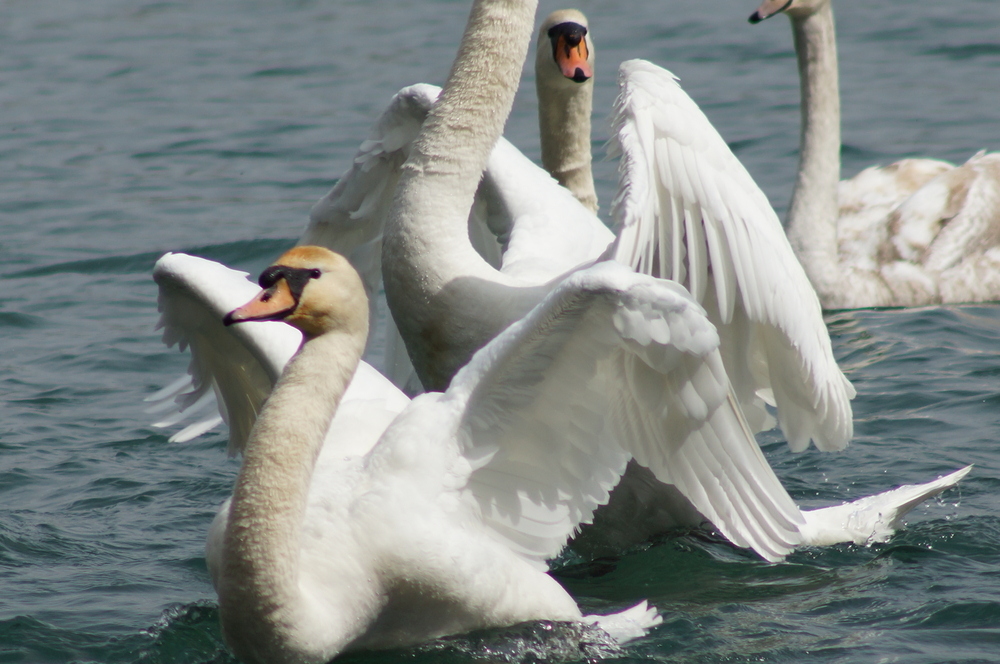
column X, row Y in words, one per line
column 267, row 609
column 706, row 225
column 328, row 544
column 426, row 232
column 917, row 232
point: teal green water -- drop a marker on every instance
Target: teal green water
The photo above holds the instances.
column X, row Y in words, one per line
column 133, row 128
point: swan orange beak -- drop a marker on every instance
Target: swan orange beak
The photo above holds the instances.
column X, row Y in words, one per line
column 769, row 8
column 274, row 303
column 572, row 59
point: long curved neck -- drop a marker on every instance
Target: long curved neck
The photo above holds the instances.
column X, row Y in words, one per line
column 812, row 212
column 427, row 229
column 564, row 110
column 432, row 274
column 261, row 601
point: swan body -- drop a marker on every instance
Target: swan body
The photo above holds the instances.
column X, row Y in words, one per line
column 917, row 232
column 195, row 294
column 444, row 522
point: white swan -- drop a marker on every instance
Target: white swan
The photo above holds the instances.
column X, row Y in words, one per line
column 564, row 83
column 441, row 523
column 242, row 363
column 447, row 301
column 544, row 399
column 917, row 232
column 687, row 210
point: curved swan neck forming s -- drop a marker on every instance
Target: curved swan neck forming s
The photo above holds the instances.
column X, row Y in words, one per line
column 564, row 110
column 261, row 601
column 812, row 212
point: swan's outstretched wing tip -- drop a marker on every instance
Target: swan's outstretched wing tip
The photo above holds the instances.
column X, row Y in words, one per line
column 239, row 364
column 873, row 518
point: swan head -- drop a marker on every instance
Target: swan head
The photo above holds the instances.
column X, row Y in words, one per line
column 312, row 289
column 794, row 8
column 565, row 52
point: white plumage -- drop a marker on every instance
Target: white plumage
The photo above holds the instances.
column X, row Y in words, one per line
column 916, row 232
column 770, row 349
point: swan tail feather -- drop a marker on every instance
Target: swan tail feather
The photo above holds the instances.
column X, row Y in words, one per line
column 628, row 625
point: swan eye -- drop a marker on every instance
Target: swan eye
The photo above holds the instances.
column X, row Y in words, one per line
column 571, row 31
column 315, row 274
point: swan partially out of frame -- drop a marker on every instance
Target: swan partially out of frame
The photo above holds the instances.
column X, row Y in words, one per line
column 916, row 232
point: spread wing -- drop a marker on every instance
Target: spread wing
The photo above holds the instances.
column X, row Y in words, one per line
column 234, row 366
column 687, row 210
column 233, row 369
column 612, row 365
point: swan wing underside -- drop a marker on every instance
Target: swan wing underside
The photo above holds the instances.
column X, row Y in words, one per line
column 688, row 210
column 233, row 366
column 543, row 230
column 612, row 365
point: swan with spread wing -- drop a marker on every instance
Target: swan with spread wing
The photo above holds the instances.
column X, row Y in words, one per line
column 350, row 528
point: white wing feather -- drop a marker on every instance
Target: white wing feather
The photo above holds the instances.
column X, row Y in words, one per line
column 545, row 231
column 611, row 365
column 238, row 366
column 687, row 210
column 233, row 369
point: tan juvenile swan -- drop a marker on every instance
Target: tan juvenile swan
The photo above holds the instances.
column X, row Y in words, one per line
column 917, row 232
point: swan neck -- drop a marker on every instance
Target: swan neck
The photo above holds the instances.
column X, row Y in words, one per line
column 812, row 213
column 564, row 110
column 261, row 601
column 429, row 265
column 428, row 225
